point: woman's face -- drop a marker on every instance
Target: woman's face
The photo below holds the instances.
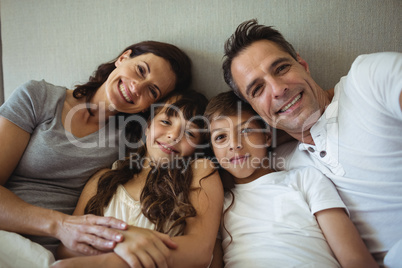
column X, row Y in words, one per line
column 138, row 82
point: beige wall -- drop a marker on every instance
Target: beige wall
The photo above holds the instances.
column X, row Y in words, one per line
column 64, row 41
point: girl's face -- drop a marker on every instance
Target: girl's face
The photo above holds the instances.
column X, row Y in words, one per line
column 138, row 82
column 168, row 137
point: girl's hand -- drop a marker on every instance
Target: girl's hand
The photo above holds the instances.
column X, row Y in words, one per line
column 145, row 248
column 89, row 234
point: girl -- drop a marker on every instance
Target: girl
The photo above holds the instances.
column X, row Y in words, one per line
column 44, row 132
column 155, row 189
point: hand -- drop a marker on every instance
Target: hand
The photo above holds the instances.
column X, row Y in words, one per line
column 145, row 248
column 89, row 234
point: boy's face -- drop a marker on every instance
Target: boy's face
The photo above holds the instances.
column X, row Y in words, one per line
column 240, row 146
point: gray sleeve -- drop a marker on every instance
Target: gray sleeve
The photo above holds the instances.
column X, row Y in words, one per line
column 24, row 106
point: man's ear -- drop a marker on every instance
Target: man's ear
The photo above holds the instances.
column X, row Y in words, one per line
column 126, row 55
column 303, row 63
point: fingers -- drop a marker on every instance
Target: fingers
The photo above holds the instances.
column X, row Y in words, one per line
column 107, row 221
column 144, row 248
column 167, row 240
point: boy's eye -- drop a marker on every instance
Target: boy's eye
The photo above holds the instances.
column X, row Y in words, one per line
column 219, row 138
column 246, row 130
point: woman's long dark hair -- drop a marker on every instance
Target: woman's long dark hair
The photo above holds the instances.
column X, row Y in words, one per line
column 165, row 197
column 179, row 61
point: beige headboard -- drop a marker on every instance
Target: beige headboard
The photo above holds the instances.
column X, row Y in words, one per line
column 64, row 41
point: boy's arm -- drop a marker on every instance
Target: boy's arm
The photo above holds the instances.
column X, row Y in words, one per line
column 344, row 239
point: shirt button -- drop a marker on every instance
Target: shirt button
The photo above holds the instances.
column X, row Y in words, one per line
column 323, row 153
column 311, row 149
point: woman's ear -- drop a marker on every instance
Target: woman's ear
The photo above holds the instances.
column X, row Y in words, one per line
column 126, row 55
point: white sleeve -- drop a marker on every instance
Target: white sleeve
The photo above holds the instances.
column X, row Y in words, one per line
column 378, row 77
column 320, row 192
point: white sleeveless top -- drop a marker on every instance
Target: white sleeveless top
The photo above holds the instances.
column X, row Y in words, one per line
column 124, row 207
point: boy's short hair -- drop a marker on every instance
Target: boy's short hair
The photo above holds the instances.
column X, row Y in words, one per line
column 228, row 104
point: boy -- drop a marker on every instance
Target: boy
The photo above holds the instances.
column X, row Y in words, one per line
column 288, row 218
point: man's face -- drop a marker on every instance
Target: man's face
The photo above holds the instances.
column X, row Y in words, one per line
column 279, row 88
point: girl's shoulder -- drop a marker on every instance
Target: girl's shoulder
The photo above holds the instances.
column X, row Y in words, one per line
column 203, row 167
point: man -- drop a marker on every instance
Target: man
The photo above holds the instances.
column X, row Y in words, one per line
column 352, row 133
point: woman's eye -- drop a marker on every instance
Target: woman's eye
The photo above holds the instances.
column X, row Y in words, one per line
column 141, row 70
column 153, row 93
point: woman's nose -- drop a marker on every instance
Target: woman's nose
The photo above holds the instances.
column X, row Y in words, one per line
column 137, row 87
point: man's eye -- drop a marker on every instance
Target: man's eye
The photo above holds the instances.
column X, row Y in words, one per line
column 256, row 91
column 283, row 68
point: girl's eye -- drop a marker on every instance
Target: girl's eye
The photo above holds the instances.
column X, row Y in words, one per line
column 190, row 133
column 165, row 122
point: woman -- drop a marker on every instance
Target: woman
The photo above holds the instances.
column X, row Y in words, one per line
column 52, row 139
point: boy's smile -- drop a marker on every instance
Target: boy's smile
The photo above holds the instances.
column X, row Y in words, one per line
column 240, row 145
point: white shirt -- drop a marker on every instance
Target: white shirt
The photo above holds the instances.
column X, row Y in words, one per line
column 358, row 145
column 272, row 221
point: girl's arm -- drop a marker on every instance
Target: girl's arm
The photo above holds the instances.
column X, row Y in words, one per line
column 217, row 261
column 195, row 246
column 344, row 239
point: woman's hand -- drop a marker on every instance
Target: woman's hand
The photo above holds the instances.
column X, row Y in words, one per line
column 145, row 248
column 89, row 234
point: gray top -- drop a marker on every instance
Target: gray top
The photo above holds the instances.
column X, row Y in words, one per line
column 53, row 170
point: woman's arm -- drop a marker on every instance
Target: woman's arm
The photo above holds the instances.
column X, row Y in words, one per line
column 18, row 216
column 344, row 239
